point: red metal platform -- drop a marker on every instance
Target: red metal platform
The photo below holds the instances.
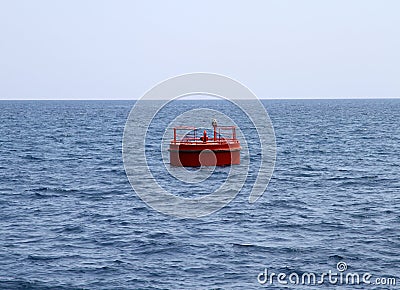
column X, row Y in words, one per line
column 196, row 148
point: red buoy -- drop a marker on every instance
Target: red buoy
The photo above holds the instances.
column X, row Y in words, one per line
column 190, row 149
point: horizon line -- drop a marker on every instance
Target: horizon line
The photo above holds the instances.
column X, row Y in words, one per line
column 201, row 99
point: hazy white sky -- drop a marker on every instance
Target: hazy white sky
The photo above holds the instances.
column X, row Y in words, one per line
column 77, row 49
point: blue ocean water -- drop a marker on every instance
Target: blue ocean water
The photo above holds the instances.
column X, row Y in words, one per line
column 69, row 218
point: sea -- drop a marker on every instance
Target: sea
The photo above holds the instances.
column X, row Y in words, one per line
column 70, row 219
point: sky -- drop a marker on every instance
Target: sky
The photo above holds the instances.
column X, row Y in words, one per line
column 93, row 49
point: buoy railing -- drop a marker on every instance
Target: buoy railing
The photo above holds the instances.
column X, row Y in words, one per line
column 186, row 134
column 228, row 132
